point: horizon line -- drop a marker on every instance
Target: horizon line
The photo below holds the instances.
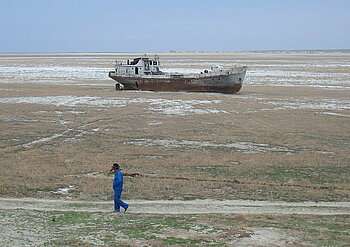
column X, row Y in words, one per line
column 181, row 51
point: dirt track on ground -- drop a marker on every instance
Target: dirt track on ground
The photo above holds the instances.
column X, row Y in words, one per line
column 183, row 207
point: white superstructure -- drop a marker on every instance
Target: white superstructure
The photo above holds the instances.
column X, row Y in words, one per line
column 139, row 66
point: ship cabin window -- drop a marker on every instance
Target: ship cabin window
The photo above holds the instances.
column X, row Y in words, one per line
column 155, row 63
column 147, row 66
column 150, row 62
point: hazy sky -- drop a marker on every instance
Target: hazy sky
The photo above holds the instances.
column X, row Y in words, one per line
column 164, row 25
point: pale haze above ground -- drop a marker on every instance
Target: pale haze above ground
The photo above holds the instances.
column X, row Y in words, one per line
column 166, row 25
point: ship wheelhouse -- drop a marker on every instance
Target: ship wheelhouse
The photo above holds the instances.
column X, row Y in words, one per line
column 139, row 66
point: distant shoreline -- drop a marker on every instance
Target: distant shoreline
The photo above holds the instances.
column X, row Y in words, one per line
column 316, row 51
column 304, row 51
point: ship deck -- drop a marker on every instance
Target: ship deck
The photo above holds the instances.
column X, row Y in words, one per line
column 186, row 76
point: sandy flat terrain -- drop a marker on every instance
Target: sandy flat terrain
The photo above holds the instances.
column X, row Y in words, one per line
column 283, row 138
column 62, row 120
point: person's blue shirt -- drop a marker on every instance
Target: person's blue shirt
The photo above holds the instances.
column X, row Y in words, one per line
column 118, row 181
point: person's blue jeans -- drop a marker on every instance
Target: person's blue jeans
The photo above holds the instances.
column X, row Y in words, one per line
column 118, row 202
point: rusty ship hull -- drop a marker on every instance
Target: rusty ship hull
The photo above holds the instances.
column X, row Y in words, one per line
column 228, row 81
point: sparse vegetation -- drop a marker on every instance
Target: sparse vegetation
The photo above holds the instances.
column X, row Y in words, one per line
column 91, row 229
column 265, row 143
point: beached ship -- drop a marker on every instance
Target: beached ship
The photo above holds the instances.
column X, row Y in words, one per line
column 143, row 73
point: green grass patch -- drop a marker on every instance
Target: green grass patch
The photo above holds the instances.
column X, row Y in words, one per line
column 181, row 241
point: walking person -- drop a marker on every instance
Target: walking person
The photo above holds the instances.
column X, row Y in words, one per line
column 118, row 188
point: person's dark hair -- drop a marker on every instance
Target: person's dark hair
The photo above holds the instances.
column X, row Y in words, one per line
column 115, row 166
